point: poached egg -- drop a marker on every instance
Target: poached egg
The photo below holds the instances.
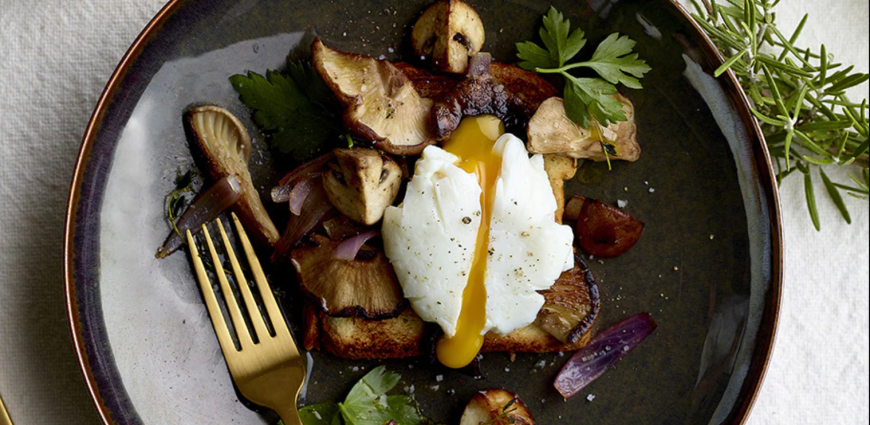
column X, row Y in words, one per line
column 475, row 237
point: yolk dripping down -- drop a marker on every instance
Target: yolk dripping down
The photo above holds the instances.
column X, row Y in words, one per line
column 472, row 142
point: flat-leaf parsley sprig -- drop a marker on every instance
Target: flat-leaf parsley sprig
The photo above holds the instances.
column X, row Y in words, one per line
column 295, row 108
column 588, row 101
column 367, row 404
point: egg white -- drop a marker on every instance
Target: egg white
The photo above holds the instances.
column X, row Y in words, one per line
column 528, row 250
column 430, row 238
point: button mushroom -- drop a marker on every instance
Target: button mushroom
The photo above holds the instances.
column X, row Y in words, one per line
column 226, row 146
column 551, row 131
column 559, row 168
column 449, row 32
column 364, row 287
column 361, row 183
column 496, row 407
column 380, row 103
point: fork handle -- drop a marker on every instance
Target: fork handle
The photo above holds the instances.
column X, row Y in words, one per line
column 290, row 415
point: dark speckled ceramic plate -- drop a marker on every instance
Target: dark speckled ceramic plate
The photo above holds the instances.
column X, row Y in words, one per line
column 708, row 268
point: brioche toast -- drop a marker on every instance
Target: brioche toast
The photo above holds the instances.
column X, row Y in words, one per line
column 406, row 335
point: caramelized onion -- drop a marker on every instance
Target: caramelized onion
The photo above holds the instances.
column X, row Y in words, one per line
column 300, row 193
column 314, row 208
column 606, row 231
column 348, row 249
column 205, row 208
column 281, row 193
column 604, row 351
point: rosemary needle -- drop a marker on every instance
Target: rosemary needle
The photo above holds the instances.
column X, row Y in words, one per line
column 798, row 96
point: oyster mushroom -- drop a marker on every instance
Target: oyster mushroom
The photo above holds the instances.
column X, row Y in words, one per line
column 361, row 183
column 551, row 131
column 448, row 32
column 381, row 105
column 571, row 305
column 226, row 146
column 365, row 287
column 559, row 168
column 496, row 407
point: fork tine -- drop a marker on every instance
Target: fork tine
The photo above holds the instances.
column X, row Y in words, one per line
column 253, row 311
column 272, row 309
column 214, row 310
column 232, row 306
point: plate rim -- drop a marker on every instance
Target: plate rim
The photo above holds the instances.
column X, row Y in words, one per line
column 767, row 332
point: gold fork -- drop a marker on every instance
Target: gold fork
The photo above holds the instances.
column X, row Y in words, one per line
column 269, row 372
column 4, row 415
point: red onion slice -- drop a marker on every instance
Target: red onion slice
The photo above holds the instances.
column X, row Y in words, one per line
column 300, row 193
column 281, row 193
column 604, row 351
column 348, row 249
column 314, row 208
column 206, row 207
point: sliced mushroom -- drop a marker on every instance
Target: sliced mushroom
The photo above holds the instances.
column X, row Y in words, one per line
column 361, row 183
column 571, row 305
column 551, row 131
column 559, row 168
column 478, row 94
column 380, row 103
column 525, row 90
column 449, row 32
column 365, row 287
column 226, row 146
column 496, row 407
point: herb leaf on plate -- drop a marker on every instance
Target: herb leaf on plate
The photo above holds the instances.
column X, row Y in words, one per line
column 367, row 404
column 296, row 109
column 588, row 101
column 320, row 414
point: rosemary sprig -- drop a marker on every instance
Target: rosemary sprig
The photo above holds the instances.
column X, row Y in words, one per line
column 798, row 97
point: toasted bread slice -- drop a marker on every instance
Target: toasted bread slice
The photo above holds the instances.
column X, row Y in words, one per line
column 405, row 335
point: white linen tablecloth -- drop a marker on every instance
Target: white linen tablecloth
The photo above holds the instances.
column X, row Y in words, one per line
column 55, row 58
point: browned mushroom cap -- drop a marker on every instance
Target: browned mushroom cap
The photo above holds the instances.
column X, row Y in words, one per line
column 361, row 183
column 496, row 407
column 448, row 32
column 525, row 90
column 380, row 103
column 551, row 131
column 571, row 304
column 509, row 92
column 478, row 94
column 226, row 146
column 365, row 287
column 559, row 168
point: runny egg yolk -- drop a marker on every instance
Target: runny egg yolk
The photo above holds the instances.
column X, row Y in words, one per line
column 472, row 142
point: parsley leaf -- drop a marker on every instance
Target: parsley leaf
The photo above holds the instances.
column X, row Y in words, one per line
column 296, row 109
column 367, row 404
column 588, row 101
column 613, row 58
column 320, row 414
column 560, row 46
